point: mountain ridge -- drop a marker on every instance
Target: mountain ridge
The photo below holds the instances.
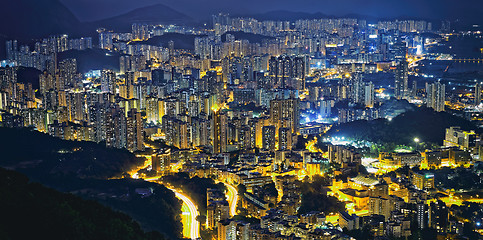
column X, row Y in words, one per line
column 154, row 14
column 29, row 19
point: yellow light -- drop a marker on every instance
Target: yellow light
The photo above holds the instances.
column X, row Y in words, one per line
column 193, row 212
column 215, row 108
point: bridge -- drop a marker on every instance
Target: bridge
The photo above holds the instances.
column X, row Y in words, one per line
column 465, row 60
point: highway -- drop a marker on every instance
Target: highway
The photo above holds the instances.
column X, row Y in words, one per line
column 189, row 212
column 191, row 226
column 232, row 196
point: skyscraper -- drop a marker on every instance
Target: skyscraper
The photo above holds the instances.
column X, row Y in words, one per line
column 287, row 72
column 140, row 31
column 108, row 81
column 326, row 108
column 401, row 80
column 134, row 131
column 478, row 94
column 435, row 96
column 286, row 110
column 284, row 139
column 369, row 95
column 67, row 72
column 219, row 131
column 268, row 138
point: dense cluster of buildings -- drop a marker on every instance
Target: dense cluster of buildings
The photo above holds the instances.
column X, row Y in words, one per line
column 255, row 95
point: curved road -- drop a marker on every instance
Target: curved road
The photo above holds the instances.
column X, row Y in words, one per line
column 191, row 222
column 232, row 198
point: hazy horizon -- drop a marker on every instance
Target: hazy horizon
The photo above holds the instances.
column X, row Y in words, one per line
column 468, row 10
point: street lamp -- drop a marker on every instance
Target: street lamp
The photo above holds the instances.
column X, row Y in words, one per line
column 416, row 143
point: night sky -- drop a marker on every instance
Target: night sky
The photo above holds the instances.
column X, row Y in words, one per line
column 89, row 10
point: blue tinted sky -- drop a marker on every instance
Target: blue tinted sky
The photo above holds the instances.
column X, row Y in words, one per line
column 87, row 10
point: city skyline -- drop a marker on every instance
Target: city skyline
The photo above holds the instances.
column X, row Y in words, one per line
column 231, row 120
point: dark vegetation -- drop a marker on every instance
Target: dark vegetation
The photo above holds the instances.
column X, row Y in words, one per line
column 429, row 126
column 315, row 198
column 32, row 211
column 29, row 75
column 83, row 168
column 92, row 59
column 466, row 179
column 194, row 187
column 39, row 154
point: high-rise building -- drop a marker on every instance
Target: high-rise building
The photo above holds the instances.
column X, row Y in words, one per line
column 400, row 50
column 326, row 108
column 401, row 80
column 478, row 94
column 134, row 131
column 124, row 64
column 369, row 95
column 436, row 96
column 438, row 216
column 106, row 40
column 157, row 76
column 380, row 206
column 12, row 48
column 351, row 222
column 414, row 90
column 221, row 19
column 422, row 180
column 268, row 138
column 68, row 72
column 108, row 81
column 217, row 207
column 286, row 110
column 161, row 162
column 219, row 128
column 284, row 139
column 233, row 230
column 140, row 31
column 287, row 72
column 422, row 215
column 465, row 140
column 127, row 89
column 115, row 128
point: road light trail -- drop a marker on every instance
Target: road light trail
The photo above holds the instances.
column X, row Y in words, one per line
column 232, row 198
column 192, row 222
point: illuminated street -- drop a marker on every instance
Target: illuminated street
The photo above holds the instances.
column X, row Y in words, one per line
column 191, row 227
column 335, row 120
column 232, row 195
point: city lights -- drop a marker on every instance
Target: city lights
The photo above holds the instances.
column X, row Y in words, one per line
column 244, row 126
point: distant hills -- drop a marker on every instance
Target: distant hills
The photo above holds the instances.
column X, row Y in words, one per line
column 156, row 14
column 32, row 19
column 28, row 19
